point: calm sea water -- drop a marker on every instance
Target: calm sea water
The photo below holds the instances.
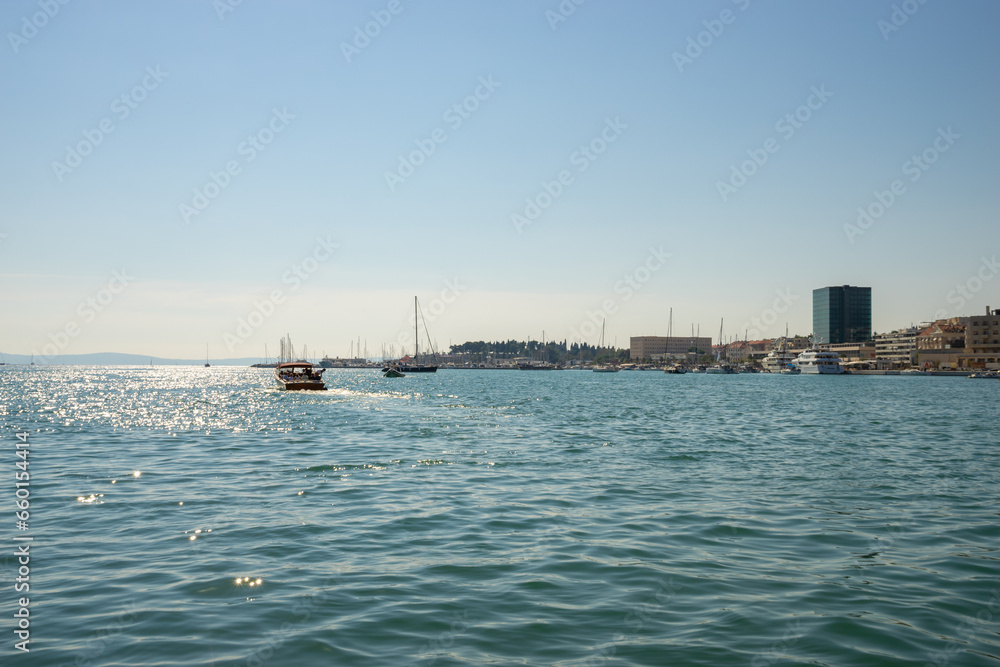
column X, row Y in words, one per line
column 190, row 516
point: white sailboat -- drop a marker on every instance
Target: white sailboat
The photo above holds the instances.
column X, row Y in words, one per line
column 675, row 369
column 720, row 367
column 607, row 368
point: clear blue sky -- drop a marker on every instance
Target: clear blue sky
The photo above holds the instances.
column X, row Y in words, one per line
column 678, row 132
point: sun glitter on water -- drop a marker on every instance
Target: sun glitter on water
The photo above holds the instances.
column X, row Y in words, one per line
column 197, row 532
column 247, row 581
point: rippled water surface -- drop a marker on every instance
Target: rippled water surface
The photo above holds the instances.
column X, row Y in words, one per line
column 188, row 515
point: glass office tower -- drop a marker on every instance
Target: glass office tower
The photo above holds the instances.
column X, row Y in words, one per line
column 842, row 314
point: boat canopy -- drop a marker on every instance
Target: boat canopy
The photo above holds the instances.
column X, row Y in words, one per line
column 297, row 364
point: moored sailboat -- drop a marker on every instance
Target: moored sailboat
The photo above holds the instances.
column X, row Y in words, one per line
column 416, row 366
column 538, row 364
column 721, row 367
column 608, row 368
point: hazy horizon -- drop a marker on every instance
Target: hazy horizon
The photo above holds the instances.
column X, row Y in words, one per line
column 173, row 169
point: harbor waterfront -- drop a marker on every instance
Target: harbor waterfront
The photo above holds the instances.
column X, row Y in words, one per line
column 190, row 515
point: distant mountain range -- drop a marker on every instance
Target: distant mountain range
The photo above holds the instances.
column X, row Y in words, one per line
column 118, row 359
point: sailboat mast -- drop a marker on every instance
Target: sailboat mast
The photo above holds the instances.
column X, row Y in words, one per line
column 416, row 331
column 722, row 345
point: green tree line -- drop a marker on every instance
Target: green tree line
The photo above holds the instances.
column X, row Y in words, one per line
column 553, row 352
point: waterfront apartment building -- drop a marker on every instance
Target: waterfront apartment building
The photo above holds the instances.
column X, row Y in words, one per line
column 946, row 334
column 897, row 349
column 853, row 352
column 659, row 347
column 982, row 341
column 742, row 351
column 792, row 343
column 940, row 344
column 842, row 314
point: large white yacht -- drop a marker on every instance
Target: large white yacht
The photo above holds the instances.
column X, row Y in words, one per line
column 780, row 359
column 817, row 361
column 720, row 369
column 777, row 360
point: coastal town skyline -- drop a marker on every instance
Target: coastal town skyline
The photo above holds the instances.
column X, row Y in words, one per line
column 764, row 328
column 579, row 167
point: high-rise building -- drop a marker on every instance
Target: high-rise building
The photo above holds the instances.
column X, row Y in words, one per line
column 842, row 314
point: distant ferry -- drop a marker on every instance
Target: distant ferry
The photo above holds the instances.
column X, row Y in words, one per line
column 819, row 362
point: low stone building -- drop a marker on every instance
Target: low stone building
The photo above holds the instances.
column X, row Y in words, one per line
column 853, row 352
column 666, row 347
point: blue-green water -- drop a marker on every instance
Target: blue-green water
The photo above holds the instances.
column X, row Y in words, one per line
column 504, row 518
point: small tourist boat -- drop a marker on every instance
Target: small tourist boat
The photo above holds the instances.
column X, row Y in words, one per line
column 299, row 375
column 392, row 372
